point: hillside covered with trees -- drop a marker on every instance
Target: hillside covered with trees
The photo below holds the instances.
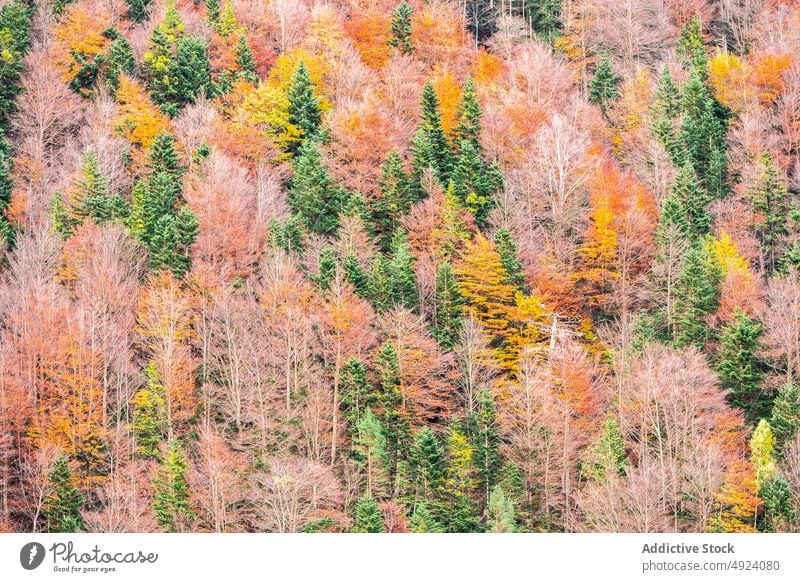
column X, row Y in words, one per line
column 416, row 266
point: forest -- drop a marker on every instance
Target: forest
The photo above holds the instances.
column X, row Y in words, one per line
column 399, row 266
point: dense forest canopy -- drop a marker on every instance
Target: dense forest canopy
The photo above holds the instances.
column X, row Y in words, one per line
column 381, row 266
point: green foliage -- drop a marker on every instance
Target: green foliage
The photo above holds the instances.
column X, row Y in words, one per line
column 448, row 307
column 665, row 111
column 15, row 31
column 483, row 430
column 394, row 202
column 304, row 110
column 509, row 258
column 369, row 448
column 158, row 218
column 770, row 199
column 368, row 518
column 469, row 117
column 475, row 182
column 500, row 514
column 6, row 186
column 697, row 293
column 149, row 416
column 328, row 265
column 356, row 392
column 120, row 61
column 608, row 453
column 287, row 235
column 423, row 521
column 427, row 466
column 785, row 417
column 313, row 195
column 402, row 278
column 740, row 367
column 430, row 147
column 356, row 276
column 544, row 17
column 692, row 48
column 171, row 490
column 379, row 285
column 462, row 514
column 604, row 86
column 63, row 503
column 400, row 28
column 245, row 63
column 685, row 206
column 388, row 405
column 779, row 508
column 139, row 10
column 192, row 70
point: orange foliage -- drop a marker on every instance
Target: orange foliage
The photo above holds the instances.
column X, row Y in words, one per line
column 767, row 75
column 139, row 120
column 448, row 89
column 79, row 32
column 438, row 34
column 370, row 34
column 487, row 69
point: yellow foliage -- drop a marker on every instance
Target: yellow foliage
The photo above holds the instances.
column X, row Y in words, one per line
column 139, row 120
column 448, row 90
column 728, row 256
column 487, row 69
column 729, row 76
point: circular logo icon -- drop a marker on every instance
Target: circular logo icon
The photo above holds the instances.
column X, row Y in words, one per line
column 31, row 555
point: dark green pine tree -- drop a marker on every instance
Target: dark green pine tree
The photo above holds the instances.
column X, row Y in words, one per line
column 697, row 292
column 138, row 10
column 313, row 195
column 160, row 67
column 171, row 491
column 544, row 17
column 665, row 112
column 245, row 63
column 212, row 11
column 304, row 111
column 394, row 202
column 692, row 48
column 427, row 467
column 484, row 434
column 63, row 504
column 475, row 182
column 430, row 147
column 423, row 521
column 608, row 454
column 356, row 276
column 15, row 31
column 164, row 157
column 388, row 406
column 368, row 517
column 120, row 61
column 685, row 206
column 379, row 285
column 740, row 367
column 604, row 86
column 328, row 265
column 356, row 392
column 779, row 513
column 509, row 258
column 98, row 202
column 785, row 417
column 770, row 200
column 169, row 246
column 6, row 187
column 400, row 28
column 470, row 113
column 462, row 513
column 448, row 307
column 402, row 278
column 192, row 70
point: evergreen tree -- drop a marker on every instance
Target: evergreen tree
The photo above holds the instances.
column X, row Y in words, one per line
column 368, row 518
column 120, row 61
column 356, row 392
column 500, row 514
column 149, row 416
column 544, row 17
column 785, row 417
column 379, row 285
column 328, row 265
column 356, row 276
column 475, row 182
column 369, row 446
column 448, row 307
column 604, row 86
column 159, row 66
column 15, row 35
column 430, row 147
column 304, row 110
column 665, row 111
column 6, row 187
column 762, row 452
column 462, row 514
column 400, row 28
column 192, row 70
column 508, row 251
column 426, row 463
column 138, row 10
column 423, row 521
column 692, row 48
column 171, row 491
column 696, row 295
column 389, row 402
column 779, row 513
column 212, row 11
column 484, row 436
column 245, row 63
column 394, row 202
column 469, row 117
column 740, row 367
column 607, row 454
column 62, row 506
column 402, row 278
column 685, row 206
column 771, row 201
column 313, row 195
